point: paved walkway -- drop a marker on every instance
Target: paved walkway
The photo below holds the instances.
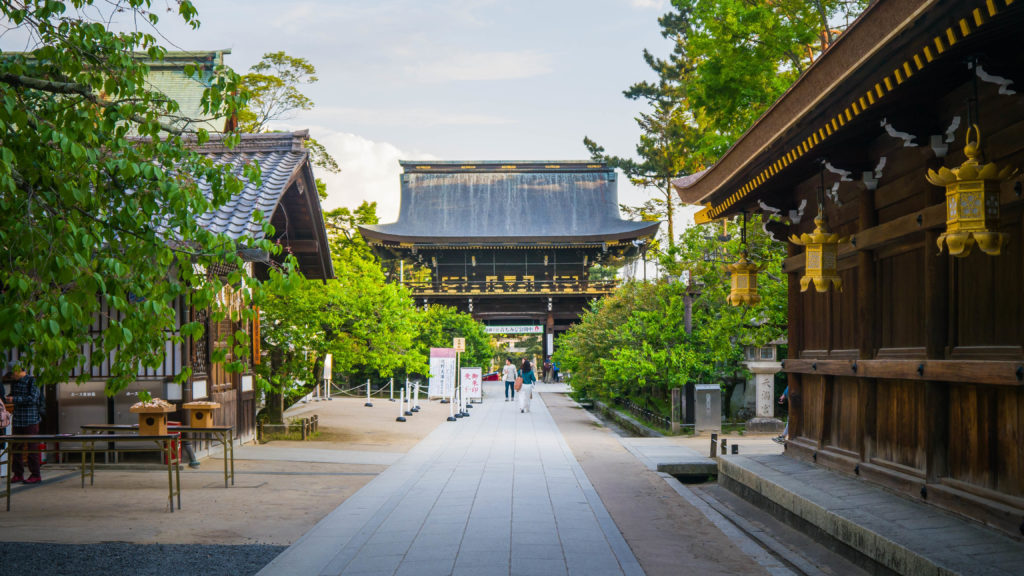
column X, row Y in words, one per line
column 496, row 493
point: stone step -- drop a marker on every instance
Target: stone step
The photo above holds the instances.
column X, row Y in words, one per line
column 894, row 533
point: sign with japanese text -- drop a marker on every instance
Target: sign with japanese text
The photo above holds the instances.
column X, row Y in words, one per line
column 442, row 372
column 459, row 344
column 472, row 383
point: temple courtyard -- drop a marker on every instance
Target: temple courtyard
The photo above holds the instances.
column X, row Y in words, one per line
column 552, row 491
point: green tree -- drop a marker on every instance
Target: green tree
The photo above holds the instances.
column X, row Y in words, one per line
column 99, row 195
column 272, row 86
column 438, row 325
column 634, row 343
column 366, row 324
column 732, row 59
column 664, row 152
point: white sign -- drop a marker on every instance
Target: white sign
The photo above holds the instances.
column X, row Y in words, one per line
column 328, row 361
column 472, row 383
column 514, row 329
column 459, row 344
column 442, row 372
column 198, row 389
column 551, row 343
column 247, row 383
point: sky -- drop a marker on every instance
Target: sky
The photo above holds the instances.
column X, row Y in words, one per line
column 443, row 79
column 447, row 79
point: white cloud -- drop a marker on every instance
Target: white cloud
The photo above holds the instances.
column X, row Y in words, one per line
column 458, row 65
column 659, row 4
column 419, row 117
column 369, row 171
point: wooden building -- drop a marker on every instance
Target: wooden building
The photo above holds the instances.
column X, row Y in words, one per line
column 288, row 196
column 509, row 241
column 911, row 375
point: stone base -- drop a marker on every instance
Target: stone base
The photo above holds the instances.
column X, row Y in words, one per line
column 765, row 426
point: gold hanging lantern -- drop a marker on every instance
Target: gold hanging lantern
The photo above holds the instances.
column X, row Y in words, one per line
column 744, row 282
column 821, row 267
column 744, row 276
column 972, row 202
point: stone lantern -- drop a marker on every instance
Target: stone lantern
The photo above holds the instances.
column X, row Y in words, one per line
column 763, row 362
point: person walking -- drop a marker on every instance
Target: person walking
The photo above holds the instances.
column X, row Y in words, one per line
column 26, row 397
column 508, row 374
column 526, row 393
column 781, row 438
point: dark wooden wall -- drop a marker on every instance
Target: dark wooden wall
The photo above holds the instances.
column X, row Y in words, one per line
column 913, row 375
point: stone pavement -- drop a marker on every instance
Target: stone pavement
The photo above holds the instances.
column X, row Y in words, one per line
column 496, row 493
column 904, row 536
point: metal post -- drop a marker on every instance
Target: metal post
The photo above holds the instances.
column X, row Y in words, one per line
column 724, row 447
column 368, row 403
column 735, row 448
column 391, row 386
column 407, row 397
column 714, row 445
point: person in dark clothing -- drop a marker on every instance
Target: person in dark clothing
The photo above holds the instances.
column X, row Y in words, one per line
column 26, row 397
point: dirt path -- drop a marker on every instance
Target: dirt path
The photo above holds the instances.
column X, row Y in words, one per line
column 272, row 501
column 668, row 536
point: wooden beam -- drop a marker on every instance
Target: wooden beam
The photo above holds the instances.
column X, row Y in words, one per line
column 932, row 217
column 301, row 246
column 982, row 372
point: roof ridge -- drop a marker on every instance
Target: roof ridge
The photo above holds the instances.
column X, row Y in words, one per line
column 262, row 142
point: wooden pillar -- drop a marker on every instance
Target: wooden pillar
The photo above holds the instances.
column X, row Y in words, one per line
column 549, row 328
column 796, row 346
column 937, row 325
column 867, row 288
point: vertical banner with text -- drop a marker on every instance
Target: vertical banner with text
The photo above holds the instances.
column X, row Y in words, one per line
column 442, row 372
column 472, row 383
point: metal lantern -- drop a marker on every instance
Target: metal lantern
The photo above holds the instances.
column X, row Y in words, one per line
column 972, row 202
column 744, row 282
column 822, row 256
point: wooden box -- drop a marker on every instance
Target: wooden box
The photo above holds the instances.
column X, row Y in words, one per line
column 202, row 413
column 152, row 416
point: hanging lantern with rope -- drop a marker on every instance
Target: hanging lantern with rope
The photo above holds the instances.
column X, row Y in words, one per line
column 972, row 202
column 822, row 256
column 744, row 276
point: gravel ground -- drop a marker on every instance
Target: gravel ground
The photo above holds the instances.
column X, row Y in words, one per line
column 28, row 558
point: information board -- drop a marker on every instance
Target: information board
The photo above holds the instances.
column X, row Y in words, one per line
column 472, row 383
column 442, row 372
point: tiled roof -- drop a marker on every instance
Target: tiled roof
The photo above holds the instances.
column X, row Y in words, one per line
column 280, row 156
column 508, row 202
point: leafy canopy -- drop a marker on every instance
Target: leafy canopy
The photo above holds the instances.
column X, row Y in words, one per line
column 99, row 195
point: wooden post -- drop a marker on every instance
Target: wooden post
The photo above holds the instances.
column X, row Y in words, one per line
column 676, row 405
column 867, row 295
column 796, row 346
column 714, row 445
column 937, row 314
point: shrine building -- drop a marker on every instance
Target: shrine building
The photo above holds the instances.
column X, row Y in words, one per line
column 891, row 169
column 512, row 243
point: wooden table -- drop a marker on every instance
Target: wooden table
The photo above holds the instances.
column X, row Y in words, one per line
column 223, row 434
column 164, row 444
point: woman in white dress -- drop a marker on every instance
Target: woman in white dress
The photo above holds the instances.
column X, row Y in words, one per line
column 526, row 393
